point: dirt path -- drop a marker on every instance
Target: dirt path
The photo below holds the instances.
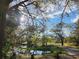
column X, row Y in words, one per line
column 72, row 52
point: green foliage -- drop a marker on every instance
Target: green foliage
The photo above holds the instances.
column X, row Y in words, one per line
column 52, row 48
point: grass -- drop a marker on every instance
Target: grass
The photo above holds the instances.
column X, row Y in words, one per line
column 53, row 48
column 68, row 44
column 71, row 45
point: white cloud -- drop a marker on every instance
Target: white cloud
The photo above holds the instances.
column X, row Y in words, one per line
column 53, row 15
column 52, row 10
column 76, row 19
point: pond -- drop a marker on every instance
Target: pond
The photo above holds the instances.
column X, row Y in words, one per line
column 35, row 52
column 38, row 52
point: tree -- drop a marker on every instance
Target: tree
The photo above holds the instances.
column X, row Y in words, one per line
column 58, row 32
column 4, row 4
column 76, row 33
column 4, row 7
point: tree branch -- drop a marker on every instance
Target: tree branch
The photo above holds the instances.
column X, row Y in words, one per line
column 15, row 6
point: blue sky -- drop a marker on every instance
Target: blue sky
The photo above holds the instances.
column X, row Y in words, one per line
column 72, row 16
column 52, row 13
column 67, row 19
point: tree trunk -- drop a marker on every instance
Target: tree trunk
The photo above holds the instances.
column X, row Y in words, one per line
column 3, row 8
column 62, row 42
column 32, row 56
column 13, row 56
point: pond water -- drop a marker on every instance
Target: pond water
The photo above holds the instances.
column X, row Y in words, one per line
column 35, row 52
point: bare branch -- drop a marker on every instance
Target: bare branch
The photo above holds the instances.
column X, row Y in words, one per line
column 15, row 6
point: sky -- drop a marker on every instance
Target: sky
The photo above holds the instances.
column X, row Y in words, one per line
column 52, row 13
column 72, row 18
